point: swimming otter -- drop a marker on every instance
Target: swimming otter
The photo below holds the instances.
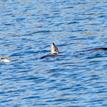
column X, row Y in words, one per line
column 54, row 51
column 4, row 59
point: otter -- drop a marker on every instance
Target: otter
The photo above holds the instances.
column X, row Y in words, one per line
column 54, row 51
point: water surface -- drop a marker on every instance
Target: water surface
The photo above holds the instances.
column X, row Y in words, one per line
column 78, row 78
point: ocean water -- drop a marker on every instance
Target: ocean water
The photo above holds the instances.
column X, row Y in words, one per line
column 77, row 77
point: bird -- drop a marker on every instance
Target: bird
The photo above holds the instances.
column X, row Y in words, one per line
column 54, row 51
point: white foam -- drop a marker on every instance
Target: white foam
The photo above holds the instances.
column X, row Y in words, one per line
column 5, row 59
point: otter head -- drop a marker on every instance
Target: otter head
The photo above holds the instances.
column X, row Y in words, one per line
column 54, row 49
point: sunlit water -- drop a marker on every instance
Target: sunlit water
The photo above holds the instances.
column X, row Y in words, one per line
column 77, row 77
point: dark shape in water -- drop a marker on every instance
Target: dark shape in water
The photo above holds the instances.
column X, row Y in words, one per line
column 98, row 49
column 54, row 51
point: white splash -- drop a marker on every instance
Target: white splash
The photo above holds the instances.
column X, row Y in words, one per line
column 5, row 59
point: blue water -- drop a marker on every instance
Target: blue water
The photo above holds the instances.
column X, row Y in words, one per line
column 77, row 78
